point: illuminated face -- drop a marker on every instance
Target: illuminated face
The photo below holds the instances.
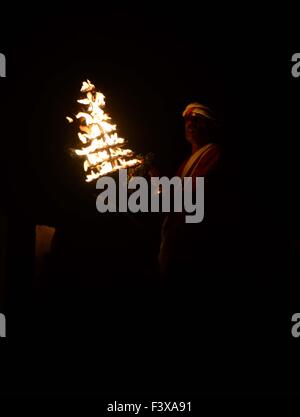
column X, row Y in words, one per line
column 195, row 125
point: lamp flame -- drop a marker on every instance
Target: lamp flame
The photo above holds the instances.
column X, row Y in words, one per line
column 103, row 148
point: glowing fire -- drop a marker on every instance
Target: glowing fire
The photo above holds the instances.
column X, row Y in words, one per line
column 103, row 150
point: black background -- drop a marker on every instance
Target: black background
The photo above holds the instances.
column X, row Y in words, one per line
column 76, row 338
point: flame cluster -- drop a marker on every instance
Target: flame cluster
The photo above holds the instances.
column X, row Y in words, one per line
column 102, row 148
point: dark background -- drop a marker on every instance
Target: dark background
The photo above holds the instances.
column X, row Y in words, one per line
column 92, row 325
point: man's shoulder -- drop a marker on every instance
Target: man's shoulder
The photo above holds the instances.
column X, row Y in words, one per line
column 208, row 160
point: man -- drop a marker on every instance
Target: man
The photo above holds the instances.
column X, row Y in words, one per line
column 205, row 154
column 180, row 242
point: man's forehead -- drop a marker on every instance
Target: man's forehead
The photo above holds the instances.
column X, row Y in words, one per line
column 197, row 109
column 193, row 115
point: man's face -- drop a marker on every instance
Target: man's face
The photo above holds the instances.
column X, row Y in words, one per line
column 195, row 124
